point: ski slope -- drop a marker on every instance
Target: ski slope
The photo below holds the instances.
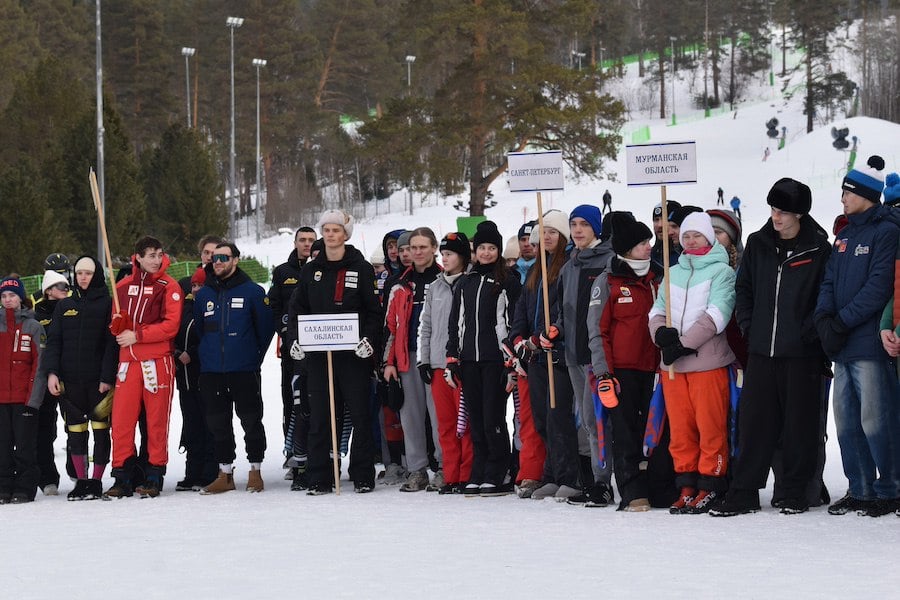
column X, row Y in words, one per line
column 386, row 544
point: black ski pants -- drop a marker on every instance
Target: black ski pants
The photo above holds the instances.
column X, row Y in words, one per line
column 18, row 439
column 629, row 421
column 483, row 385
column 221, row 392
column 780, row 405
column 556, row 426
column 352, row 387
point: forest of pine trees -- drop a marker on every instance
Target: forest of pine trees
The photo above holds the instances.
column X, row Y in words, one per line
column 488, row 77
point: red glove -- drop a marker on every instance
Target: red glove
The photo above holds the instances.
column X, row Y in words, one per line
column 120, row 322
column 607, row 390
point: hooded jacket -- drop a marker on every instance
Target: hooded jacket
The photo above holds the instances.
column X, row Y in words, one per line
column 341, row 286
column 702, row 288
column 776, row 294
column 859, row 281
column 234, row 322
column 21, row 342
column 575, row 281
column 80, row 347
column 404, row 307
column 153, row 300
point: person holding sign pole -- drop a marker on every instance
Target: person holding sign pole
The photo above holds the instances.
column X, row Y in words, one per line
column 479, row 322
column 554, row 425
column 339, row 280
column 586, row 262
column 697, row 398
column 235, row 325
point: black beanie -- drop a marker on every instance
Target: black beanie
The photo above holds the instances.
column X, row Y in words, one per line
column 525, row 229
column 487, row 233
column 671, row 206
column 612, row 221
column 628, row 234
column 459, row 243
column 790, row 196
column 678, row 215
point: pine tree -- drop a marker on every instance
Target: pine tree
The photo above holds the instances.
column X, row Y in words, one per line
column 499, row 89
column 182, row 187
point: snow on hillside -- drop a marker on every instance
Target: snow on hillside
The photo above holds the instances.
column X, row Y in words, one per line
column 388, row 544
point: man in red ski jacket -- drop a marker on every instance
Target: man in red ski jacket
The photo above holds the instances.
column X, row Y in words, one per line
column 150, row 313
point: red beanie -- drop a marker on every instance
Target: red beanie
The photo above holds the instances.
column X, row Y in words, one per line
column 199, row 276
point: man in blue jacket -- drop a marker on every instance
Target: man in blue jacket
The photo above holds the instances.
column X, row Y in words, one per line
column 858, row 282
column 235, row 325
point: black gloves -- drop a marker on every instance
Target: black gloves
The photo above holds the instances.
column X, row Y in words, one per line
column 451, row 372
column 669, row 342
column 426, row 373
column 832, row 333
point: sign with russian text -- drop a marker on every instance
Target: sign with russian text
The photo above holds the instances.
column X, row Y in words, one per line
column 535, row 171
column 318, row 333
column 661, row 164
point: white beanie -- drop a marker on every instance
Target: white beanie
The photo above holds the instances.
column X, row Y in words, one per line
column 512, row 248
column 51, row 278
column 337, row 217
column 555, row 219
column 699, row 222
column 85, row 263
column 377, row 257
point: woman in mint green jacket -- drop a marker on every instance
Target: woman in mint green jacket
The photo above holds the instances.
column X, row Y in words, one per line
column 697, row 399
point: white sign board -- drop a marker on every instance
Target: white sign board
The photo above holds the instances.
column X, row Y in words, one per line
column 318, row 333
column 661, row 164
column 535, row 171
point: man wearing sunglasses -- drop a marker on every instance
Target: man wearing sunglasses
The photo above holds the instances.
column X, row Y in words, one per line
column 235, row 325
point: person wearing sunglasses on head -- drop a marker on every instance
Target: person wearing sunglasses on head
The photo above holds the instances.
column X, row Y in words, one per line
column 235, row 325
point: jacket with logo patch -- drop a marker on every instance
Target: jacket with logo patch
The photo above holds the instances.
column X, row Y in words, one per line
column 284, row 281
column 21, row 343
column 80, row 347
column 234, row 322
column 776, row 295
column 153, row 300
column 342, row 286
column 859, row 281
column 617, row 322
column 480, row 314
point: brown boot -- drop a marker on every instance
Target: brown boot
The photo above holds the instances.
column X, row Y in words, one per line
column 223, row 483
column 254, row 481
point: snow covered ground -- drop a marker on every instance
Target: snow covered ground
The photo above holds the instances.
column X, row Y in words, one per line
column 389, row 544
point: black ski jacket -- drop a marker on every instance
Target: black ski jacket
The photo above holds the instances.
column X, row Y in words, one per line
column 80, row 347
column 284, row 281
column 776, row 295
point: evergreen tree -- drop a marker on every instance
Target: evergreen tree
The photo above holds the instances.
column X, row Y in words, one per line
column 19, row 48
column 29, row 228
column 501, row 91
column 183, row 191
column 67, row 176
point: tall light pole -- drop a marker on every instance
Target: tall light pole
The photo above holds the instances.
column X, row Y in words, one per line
column 101, row 180
column 232, row 23
column 258, row 63
column 410, row 59
column 187, row 53
column 673, row 80
column 578, row 56
column 706, row 63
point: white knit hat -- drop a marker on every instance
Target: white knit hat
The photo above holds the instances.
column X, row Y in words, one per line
column 512, row 248
column 555, row 219
column 377, row 257
column 337, row 217
column 51, row 278
column 85, row 263
column 701, row 223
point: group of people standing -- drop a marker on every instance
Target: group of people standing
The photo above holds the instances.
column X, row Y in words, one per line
column 684, row 391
